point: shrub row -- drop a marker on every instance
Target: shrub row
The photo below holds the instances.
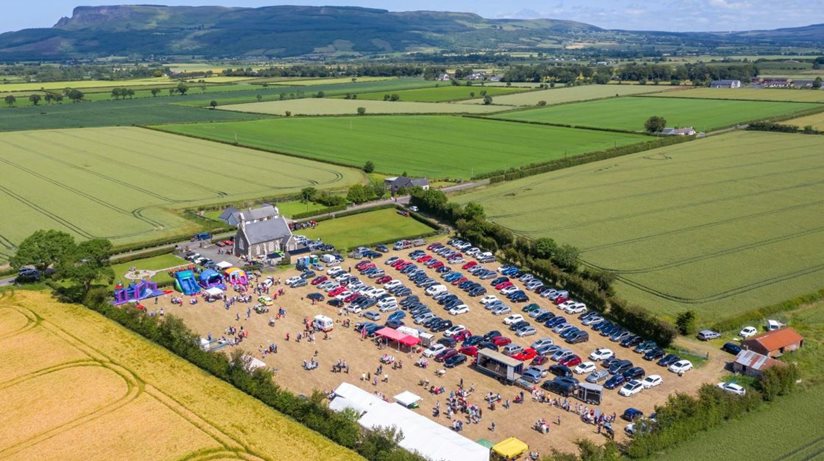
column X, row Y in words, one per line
column 171, row 333
column 781, row 128
column 537, row 168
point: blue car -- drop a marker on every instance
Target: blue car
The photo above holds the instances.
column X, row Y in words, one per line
column 615, row 381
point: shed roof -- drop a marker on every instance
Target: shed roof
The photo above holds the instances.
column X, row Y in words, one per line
column 775, row 340
column 754, row 360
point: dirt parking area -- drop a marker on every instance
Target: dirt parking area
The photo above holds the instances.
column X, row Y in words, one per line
column 363, row 356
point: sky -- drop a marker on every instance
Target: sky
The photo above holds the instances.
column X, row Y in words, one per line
column 666, row 15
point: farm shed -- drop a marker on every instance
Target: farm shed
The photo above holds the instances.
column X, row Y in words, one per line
column 775, row 343
column 420, row 434
column 752, row 363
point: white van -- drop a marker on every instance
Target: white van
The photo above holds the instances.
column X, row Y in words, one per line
column 323, row 323
column 435, row 290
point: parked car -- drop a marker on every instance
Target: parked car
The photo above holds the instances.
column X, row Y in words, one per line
column 560, row 370
column 668, row 360
column 512, row 319
column 434, row 350
column 597, row 376
column 706, row 335
column 454, row 360
column 563, row 386
column 748, row 332
column 631, row 388
column 584, row 368
column 733, row 388
column 631, row 414
column 732, row 348
column 601, row 353
column 614, row 381
column 681, row 366
column 652, row 381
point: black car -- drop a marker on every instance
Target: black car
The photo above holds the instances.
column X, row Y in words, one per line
column 518, row 325
column 614, row 381
column 668, row 360
column 608, row 361
column 631, row 341
column 443, row 326
column 634, row 373
column 335, row 302
column 645, row 347
column 579, row 337
column 619, row 366
column 448, row 342
column 732, row 348
column 454, row 361
column 654, row 354
column 382, row 248
column 487, row 345
column 315, row 297
column 492, row 334
column 473, row 340
column 546, row 316
column 561, row 385
column 560, row 370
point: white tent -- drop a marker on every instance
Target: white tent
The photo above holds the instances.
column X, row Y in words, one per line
column 223, row 265
column 214, row 292
column 407, row 399
column 420, row 433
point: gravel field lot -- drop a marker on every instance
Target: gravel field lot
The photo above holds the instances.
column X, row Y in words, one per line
column 364, row 356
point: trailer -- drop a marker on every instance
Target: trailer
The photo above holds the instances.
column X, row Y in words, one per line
column 501, row 367
column 589, row 393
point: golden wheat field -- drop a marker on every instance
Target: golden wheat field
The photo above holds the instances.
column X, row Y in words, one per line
column 76, row 386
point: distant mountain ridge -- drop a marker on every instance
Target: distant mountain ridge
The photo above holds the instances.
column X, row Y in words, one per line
column 285, row 31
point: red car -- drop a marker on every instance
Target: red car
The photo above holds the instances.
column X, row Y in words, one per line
column 571, row 361
column 501, row 341
column 319, row 280
column 471, row 351
column 367, row 267
column 459, row 281
column 446, row 354
column 462, row 335
column 351, row 297
column 336, row 291
column 398, row 263
column 526, row 354
column 469, row 265
column 503, row 285
column 434, row 246
column 560, row 300
column 436, row 266
column 424, row 258
column 384, row 279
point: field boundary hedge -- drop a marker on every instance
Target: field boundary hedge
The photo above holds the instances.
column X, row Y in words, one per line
column 650, row 95
column 560, row 125
column 764, row 312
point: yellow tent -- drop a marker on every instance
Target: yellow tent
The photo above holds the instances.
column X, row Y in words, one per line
column 510, row 448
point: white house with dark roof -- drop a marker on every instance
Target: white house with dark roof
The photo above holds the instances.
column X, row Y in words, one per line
column 395, row 183
column 725, row 84
column 231, row 215
column 259, row 238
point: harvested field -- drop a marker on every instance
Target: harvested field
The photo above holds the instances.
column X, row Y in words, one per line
column 571, row 94
column 122, row 379
column 327, row 106
column 432, row 146
column 721, row 225
column 815, row 120
column 122, row 183
column 629, row 114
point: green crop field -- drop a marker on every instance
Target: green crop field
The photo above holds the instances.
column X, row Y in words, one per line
column 779, row 431
column 571, row 94
column 432, row 146
column 721, row 225
column 327, row 106
column 367, row 228
column 120, row 183
column 630, row 113
column 754, row 94
column 443, row 93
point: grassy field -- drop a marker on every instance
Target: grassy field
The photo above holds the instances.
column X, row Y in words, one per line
column 571, row 94
column 815, row 120
column 83, row 84
column 75, row 385
column 155, row 263
column 754, row 94
column 365, row 228
column 433, row 146
column 443, row 93
column 721, row 225
column 778, row 431
column 630, row 113
column 337, row 80
column 327, row 106
column 120, row 183
column 287, row 208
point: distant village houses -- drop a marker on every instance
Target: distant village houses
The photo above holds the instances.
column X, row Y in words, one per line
column 686, row 131
column 725, row 84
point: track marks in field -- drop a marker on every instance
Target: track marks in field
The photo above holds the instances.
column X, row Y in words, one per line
column 48, row 214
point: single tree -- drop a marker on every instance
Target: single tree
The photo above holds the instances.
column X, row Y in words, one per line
column 43, row 249
column 545, row 247
column 542, row 103
column 307, row 194
column 155, row 91
column 320, row 94
column 685, row 322
column 487, row 100
column 357, row 194
column 116, row 93
column 11, row 100
column 288, row 113
column 130, row 93
column 35, row 99
column 361, row 110
column 76, row 95
column 182, row 88
column 259, row 98
column 212, row 103
column 566, row 257
column 369, row 167
column 88, row 263
column 172, row 91
column 655, row 124
column 394, row 97
column 49, row 98
column 817, row 83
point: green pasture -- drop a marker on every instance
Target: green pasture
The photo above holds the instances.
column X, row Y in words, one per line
column 121, row 183
column 630, row 113
column 432, row 146
column 443, row 93
column 366, row 228
column 288, row 208
column 571, row 94
column 782, row 430
column 155, row 263
column 721, row 225
column 328, row 106
column 753, row 94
